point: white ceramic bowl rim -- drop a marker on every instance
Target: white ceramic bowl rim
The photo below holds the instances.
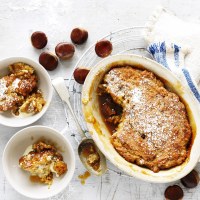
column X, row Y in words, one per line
column 69, row 173
column 90, row 110
column 44, row 81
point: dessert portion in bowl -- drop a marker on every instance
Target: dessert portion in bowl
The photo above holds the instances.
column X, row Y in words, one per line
column 148, row 122
column 42, row 160
column 25, row 91
column 38, row 162
column 19, row 92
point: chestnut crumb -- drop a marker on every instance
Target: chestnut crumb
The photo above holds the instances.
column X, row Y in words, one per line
column 143, row 136
column 191, row 180
column 103, row 48
column 39, row 39
column 80, row 75
column 48, row 60
column 65, row 50
column 79, row 35
column 174, row 193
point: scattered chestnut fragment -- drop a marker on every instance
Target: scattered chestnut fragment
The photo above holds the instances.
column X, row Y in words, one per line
column 48, row 60
column 103, row 48
column 80, row 75
column 191, row 180
column 65, row 50
column 79, row 35
column 39, row 39
column 174, row 193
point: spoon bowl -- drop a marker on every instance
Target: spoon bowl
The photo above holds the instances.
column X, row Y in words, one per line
column 85, row 143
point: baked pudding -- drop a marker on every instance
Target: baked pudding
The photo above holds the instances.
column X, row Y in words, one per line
column 148, row 123
column 19, row 91
column 42, row 160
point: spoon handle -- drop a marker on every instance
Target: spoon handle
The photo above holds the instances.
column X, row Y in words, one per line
column 63, row 92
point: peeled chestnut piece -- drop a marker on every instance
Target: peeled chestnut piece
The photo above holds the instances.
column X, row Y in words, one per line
column 79, row 35
column 103, row 48
column 191, row 180
column 48, row 60
column 39, row 39
column 174, row 193
column 65, row 50
column 80, row 75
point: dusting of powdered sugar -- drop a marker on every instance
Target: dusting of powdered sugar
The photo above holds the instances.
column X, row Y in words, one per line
column 15, row 83
column 136, row 95
column 3, row 87
column 153, row 116
column 6, row 98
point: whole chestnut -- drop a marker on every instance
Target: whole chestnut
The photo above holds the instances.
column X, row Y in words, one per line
column 79, row 35
column 191, row 180
column 65, row 50
column 80, row 75
column 39, row 39
column 103, row 48
column 174, row 193
column 48, row 60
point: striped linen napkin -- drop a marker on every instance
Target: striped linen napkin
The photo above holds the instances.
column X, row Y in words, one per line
column 176, row 45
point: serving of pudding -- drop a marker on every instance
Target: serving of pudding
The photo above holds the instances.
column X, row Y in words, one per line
column 42, row 160
column 19, row 92
column 149, row 123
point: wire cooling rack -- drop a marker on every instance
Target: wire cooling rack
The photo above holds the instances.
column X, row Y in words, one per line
column 126, row 41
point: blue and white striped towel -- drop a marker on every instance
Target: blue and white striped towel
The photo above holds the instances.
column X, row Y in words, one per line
column 172, row 59
column 169, row 39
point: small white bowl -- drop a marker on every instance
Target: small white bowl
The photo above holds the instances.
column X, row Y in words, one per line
column 6, row 118
column 19, row 179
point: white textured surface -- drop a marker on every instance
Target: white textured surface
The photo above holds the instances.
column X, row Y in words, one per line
column 19, row 18
column 179, row 32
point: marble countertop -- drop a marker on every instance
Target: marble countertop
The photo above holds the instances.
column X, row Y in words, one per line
column 19, row 18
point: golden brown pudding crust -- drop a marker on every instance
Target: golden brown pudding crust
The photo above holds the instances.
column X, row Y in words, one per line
column 154, row 130
column 19, row 90
column 42, row 161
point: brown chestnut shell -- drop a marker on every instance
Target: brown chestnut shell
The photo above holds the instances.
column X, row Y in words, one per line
column 65, row 50
column 191, row 180
column 174, row 192
column 79, row 35
column 80, row 75
column 39, row 39
column 103, row 48
column 48, row 60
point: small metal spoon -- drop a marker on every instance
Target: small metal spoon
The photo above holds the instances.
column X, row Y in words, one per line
column 63, row 92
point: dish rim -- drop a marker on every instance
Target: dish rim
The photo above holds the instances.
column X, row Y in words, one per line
column 67, row 142
column 39, row 69
column 86, row 97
